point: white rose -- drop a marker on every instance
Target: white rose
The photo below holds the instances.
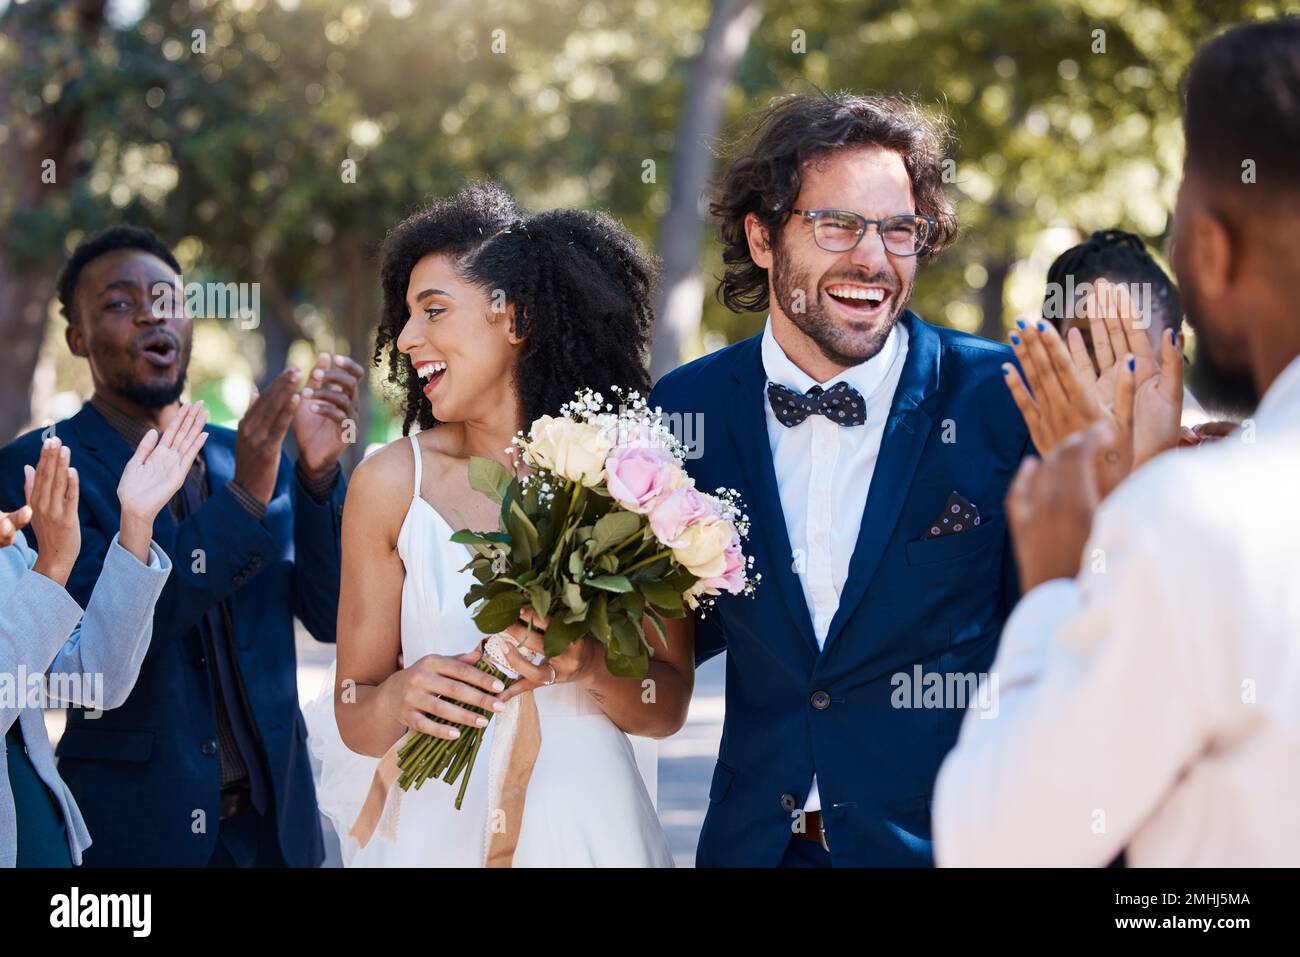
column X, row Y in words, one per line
column 574, row 450
column 702, row 548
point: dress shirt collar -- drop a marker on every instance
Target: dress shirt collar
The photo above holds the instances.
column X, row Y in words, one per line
column 866, row 376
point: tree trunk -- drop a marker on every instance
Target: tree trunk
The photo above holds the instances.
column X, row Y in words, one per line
column 358, row 327
column 998, row 267
column 53, row 134
column 680, row 299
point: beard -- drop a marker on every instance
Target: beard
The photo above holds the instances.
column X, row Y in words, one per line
column 843, row 346
column 151, row 395
column 1220, row 388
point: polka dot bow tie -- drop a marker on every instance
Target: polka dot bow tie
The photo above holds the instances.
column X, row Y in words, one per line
column 841, row 403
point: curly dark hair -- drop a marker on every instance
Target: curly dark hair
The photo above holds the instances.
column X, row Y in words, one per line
column 582, row 289
column 1119, row 256
column 454, row 226
column 766, row 173
column 101, row 244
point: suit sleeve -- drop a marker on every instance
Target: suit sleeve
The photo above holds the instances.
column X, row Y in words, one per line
column 210, row 548
column 318, row 557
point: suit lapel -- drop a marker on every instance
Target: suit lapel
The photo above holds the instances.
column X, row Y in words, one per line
column 769, row 540
column 100, row 440
column 905, row 436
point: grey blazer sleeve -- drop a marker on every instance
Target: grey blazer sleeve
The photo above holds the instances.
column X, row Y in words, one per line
column 35, row 620
column 92, row 660
column 98, row 665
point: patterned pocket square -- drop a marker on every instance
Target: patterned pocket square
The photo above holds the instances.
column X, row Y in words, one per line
column 959, row 514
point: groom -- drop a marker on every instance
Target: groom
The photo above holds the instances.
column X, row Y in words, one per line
column 873, row 452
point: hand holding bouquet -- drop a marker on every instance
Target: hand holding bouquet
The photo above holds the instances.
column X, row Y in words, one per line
column 604, row 535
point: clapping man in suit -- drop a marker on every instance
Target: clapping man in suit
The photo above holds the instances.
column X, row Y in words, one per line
column 873, row 452
column 206, row 762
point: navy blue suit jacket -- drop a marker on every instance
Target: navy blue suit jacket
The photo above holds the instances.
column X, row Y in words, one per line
column 146, row 775
column 934, row 603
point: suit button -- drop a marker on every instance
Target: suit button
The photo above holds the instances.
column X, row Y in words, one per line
column 821, row 700
column 788, row 802
column 200, row 661
column 208, row 747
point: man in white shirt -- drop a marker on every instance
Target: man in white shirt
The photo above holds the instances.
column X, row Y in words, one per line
column 873, row 452
column 1150, row 676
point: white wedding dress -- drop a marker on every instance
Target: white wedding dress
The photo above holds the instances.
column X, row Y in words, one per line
column 587, row 801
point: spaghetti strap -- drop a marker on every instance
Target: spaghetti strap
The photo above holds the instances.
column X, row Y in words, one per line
column 415, row 450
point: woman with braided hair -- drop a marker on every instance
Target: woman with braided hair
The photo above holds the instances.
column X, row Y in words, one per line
column 1113, row 271
column 490, row 321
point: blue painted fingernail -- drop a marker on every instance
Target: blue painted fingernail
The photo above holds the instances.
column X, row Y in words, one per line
column 1042, row 326
column 1020, row 323
column 1015, row 338
column 1173, row 337
column 1006, row 368
column 1131, row 363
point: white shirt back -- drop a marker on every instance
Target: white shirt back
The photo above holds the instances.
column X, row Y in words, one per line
column 1153, row 703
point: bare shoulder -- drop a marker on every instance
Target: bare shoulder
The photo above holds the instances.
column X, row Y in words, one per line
column 381, row 486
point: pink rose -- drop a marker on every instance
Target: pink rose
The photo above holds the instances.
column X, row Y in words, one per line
column 676, row 511
column 732, row 579
column 637, row 477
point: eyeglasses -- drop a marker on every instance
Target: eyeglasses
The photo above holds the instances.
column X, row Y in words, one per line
column 839, row 230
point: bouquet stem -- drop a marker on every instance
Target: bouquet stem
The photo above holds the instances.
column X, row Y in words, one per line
column 424, row 756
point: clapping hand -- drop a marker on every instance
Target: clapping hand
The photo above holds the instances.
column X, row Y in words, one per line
column 156, row 473
column 53, row 491
column 1063, row 403
column 329, row 403
column 1051, row 504
column 11, row 523
column 1129, row 390
column 1121, row 344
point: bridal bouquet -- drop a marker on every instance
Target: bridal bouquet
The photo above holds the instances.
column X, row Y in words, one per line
column 606, row 535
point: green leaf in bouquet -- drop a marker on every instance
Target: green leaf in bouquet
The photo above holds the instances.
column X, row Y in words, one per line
column 661, row 595
column 466, row 537
column 626, row 659
column 614, row 527
column 614, row 583
column 489, row 477
column 608, row 562
column 598, row 619
column 559, row 635
column 634, row 602
column 628, row 637
column 523, row 535
column 575, row 563
column 499, row 612
column 654, row 570
column 574, row 600
column 540, row 598
column 658, row 626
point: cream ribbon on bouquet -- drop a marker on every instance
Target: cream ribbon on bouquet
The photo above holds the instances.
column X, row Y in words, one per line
column 516, row 741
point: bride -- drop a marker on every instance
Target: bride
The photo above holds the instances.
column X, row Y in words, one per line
column 489, row 321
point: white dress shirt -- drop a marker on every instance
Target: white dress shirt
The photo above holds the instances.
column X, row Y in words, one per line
column 823, row 473
column 1153, row 703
